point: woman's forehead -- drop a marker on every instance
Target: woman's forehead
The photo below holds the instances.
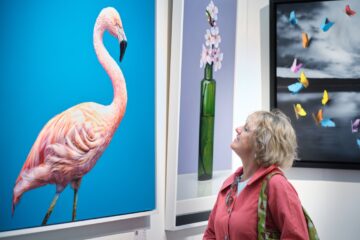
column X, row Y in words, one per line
column 252, row 119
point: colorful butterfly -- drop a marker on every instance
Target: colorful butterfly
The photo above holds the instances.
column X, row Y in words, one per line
column 325, row 98
column 348, row 11
column 355, row 126
column 327, row 122
column 304, row 80
column 358, row 142
column 305, row 40
column 319, row 116
column 298, row 86
column 324, row 122
column 295, row 67
column 292, row 19
column 299, row 110
column 295, row 87
column 326, row 25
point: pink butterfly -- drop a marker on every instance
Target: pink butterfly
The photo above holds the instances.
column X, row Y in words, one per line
column 295, row 67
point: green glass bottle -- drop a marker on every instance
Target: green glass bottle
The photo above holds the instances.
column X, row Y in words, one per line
column 206, row 129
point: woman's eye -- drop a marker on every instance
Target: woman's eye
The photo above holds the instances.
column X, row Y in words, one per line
column 246, row 129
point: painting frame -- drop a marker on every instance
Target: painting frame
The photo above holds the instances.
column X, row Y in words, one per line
column 307, row 155
column 131, row 221
column 185, row 212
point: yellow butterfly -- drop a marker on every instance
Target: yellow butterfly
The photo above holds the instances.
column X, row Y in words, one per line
column 325, row 98
column 299, row 110
column 303, row 79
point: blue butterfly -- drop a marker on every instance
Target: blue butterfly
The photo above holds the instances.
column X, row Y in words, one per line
column 295, row 87
column 358, row 142
column 326, row 25
column 292, row 19
column 327, row 122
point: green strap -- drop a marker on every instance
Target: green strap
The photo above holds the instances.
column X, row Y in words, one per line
column 313, row 235
column 265, row 234
column 262, row 207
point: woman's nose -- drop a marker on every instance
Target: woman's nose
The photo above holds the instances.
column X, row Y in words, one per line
column 238, row 130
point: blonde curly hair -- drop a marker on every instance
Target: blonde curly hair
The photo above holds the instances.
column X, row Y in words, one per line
column 275, row 139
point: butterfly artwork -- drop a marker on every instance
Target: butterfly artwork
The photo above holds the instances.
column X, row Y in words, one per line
column 325, row 98
column 358, row 142
column 326, row 25
column 320, row 120
column 298, row 86
column 318, row 117
column 299, row 111
column 349, row 11
column 327, row 122
column 292, row 18
column 355, row 126
column 295, row 87
column 305, row 40
column 303, row 79
column 295, row 67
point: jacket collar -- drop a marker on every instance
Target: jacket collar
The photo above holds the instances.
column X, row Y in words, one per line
column 259, row 174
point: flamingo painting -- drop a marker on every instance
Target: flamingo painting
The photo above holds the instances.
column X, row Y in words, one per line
column 70, row 144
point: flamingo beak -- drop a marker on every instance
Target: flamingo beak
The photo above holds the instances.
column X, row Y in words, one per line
column 122, row 40
column 123, row 45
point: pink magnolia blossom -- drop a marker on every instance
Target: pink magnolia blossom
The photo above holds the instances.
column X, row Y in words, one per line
column 216, row 38
column 208, row 38
column 206, row 56
column 211, row 53
column 213, row 10
column 217, row 61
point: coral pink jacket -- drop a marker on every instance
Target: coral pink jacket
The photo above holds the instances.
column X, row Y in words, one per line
column 239, row 220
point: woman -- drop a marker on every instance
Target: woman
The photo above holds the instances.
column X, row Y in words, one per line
column 265, row 144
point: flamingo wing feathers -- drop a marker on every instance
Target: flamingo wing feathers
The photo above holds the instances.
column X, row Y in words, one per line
column 71, row 138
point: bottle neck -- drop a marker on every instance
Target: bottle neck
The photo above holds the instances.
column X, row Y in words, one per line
column 208, row 72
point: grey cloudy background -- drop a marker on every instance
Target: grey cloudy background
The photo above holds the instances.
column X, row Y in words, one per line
column 331, row 54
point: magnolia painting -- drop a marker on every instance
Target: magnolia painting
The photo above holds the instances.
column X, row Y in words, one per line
column 205, row 46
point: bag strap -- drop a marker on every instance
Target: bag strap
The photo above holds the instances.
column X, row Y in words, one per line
column 262, row 207
column 263, row 234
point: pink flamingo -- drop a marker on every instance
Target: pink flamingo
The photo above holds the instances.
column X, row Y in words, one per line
column 71, row 142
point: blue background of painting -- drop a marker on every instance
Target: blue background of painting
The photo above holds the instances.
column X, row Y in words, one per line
column 47, row 65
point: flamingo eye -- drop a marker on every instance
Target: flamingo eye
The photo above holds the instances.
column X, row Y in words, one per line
column 117, row 23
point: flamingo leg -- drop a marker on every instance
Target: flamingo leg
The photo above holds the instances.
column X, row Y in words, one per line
column 49, row 211
column 75, row 185
column 75, row 204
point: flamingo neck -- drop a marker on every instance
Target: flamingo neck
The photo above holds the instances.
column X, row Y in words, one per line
column 113, row 70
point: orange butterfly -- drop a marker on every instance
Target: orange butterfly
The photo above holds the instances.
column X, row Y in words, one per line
column 305, row 40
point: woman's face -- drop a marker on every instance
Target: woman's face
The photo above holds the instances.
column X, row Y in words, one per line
column 244, row 142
